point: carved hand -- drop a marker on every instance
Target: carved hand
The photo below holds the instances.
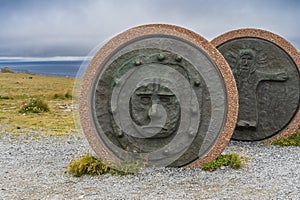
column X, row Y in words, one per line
column 281, row 76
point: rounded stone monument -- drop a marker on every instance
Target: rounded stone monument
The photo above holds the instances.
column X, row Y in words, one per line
column 158, row 95
column 266, row 70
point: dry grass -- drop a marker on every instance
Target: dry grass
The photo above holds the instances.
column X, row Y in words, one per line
column 18, row 88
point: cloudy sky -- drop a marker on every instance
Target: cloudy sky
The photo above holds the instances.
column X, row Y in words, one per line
column 42, row 28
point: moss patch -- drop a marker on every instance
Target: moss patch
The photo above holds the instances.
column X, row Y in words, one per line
column 89, row 165
column 293, row 140
column 233, row 160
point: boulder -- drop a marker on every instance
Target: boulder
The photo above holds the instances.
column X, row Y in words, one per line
column 7, row 70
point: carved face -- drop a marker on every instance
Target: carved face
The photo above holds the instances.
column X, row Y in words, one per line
column 246, row 60
column 144, row 108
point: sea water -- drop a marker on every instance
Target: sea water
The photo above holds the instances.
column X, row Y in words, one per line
column 51, row 67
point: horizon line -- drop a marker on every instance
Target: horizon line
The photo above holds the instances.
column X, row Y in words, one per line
column 49, row 58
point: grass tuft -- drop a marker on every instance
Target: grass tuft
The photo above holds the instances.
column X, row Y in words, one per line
column 35, row 106
column 89, row 165
column 232, row 160
column 293, row 140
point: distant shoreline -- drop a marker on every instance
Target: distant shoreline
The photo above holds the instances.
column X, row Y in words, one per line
column 7, row 70
column 64, row 68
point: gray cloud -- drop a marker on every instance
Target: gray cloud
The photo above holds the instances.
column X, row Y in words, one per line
column 51, row 28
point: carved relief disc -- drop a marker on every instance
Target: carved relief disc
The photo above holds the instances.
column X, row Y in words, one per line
column 266, row 70
column 155, row 95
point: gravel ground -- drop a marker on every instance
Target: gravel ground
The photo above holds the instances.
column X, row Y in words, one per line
column 33, row 167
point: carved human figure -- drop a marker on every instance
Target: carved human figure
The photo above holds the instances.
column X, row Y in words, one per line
column 248, row 78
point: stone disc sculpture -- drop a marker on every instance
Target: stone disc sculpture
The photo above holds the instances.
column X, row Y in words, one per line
column 158, row 95
column 266, row 70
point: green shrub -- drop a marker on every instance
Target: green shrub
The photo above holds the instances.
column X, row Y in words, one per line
column 57, row 96
column 35, row 106
column 67, row 95
column 293, row 140
column 6, row 97
column 89, row 165
column 232, row 160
